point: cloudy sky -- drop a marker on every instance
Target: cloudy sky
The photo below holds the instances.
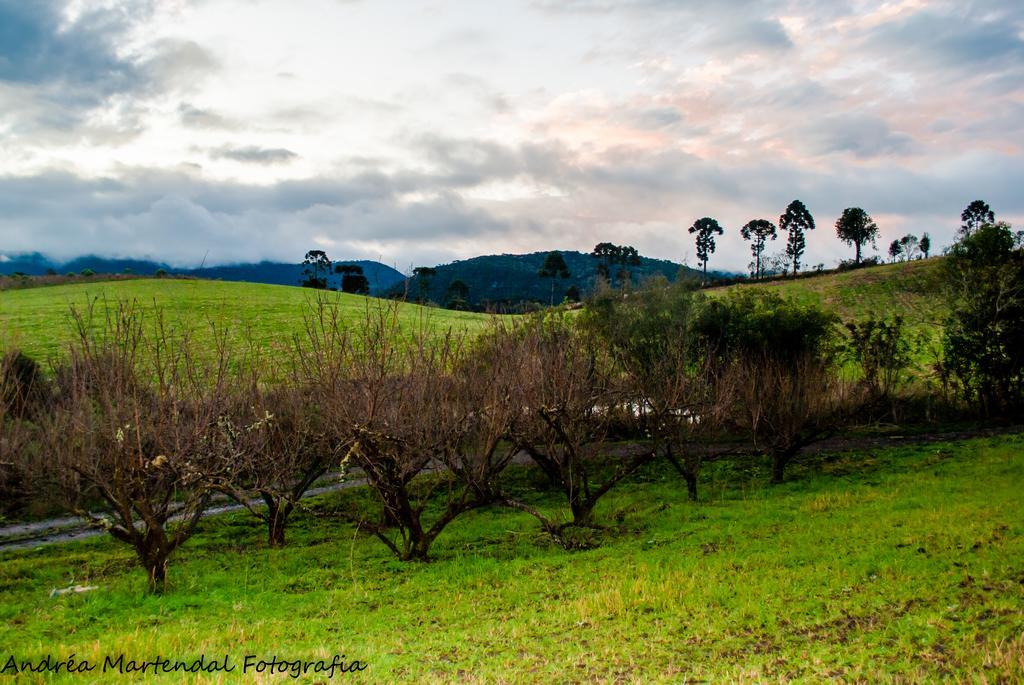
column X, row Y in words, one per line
column 417, row 132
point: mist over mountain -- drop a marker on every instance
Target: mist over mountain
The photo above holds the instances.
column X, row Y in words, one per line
column 380, row 276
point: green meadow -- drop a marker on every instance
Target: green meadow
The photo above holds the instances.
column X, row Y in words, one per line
column 37, row 320
column 902, row 564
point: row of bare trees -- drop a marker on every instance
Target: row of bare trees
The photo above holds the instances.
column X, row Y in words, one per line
column 144, row 424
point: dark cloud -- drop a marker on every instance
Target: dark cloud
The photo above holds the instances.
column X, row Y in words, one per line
column 36, row 46
column 255, row 155
column 963, row 39
column 65, row 68
column 861, row 134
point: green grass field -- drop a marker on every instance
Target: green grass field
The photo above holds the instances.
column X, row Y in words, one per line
column 37, row 319
column 892, row 565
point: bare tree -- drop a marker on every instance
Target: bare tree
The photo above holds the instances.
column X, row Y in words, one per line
column 419, row 433
column 134, row 425
column 785, row 404
column 273, row 447
column 570, row 395
column 672, row 396
column 19, row 389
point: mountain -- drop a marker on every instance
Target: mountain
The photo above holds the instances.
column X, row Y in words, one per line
column 511, row 279
column 380, row 276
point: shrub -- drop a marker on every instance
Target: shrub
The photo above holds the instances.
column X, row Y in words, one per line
column 983, row 341
column 881, row 350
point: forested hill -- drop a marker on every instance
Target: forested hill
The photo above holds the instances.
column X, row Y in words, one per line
column 511, row 279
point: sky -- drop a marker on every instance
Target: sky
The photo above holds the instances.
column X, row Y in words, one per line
column 419, row 132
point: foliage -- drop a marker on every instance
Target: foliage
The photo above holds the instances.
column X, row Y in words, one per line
column 316, row 266
column 673, row 399
column 974, row 216
column 609, row 256
column 796, row 221
column 352, row 279
column 774, row 358
column 705, row 230
column 554, row 266
column 882, row 352
column 856, row 228
column 983, row 343
column 423, row 275
column 505, row 282
column 457, row 296
column 763, row 323
column 759, row 231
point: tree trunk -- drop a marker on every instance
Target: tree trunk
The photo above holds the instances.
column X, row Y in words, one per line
column 155, row 563
column 583, row 512
column 858, row 252
column 276, row 520
column 779, row 461
column 691, row 485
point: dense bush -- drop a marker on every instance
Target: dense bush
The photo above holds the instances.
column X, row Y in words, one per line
column 882, row 352
column 983, row 343
column 751, row 323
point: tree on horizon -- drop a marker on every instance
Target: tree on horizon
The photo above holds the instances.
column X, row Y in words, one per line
column 796, row 221
column 974, row 216
column 759, row 232
column 705, row 230
column 611, row 255
column 457, row 296
column 423, row 274
column 315, row 263
column 855, row 227
column 352, row 279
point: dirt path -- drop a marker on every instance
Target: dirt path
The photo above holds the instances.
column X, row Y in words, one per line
column 71, row 528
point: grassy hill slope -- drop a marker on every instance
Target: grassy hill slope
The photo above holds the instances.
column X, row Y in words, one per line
column 37, row 319
column 912, row 290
